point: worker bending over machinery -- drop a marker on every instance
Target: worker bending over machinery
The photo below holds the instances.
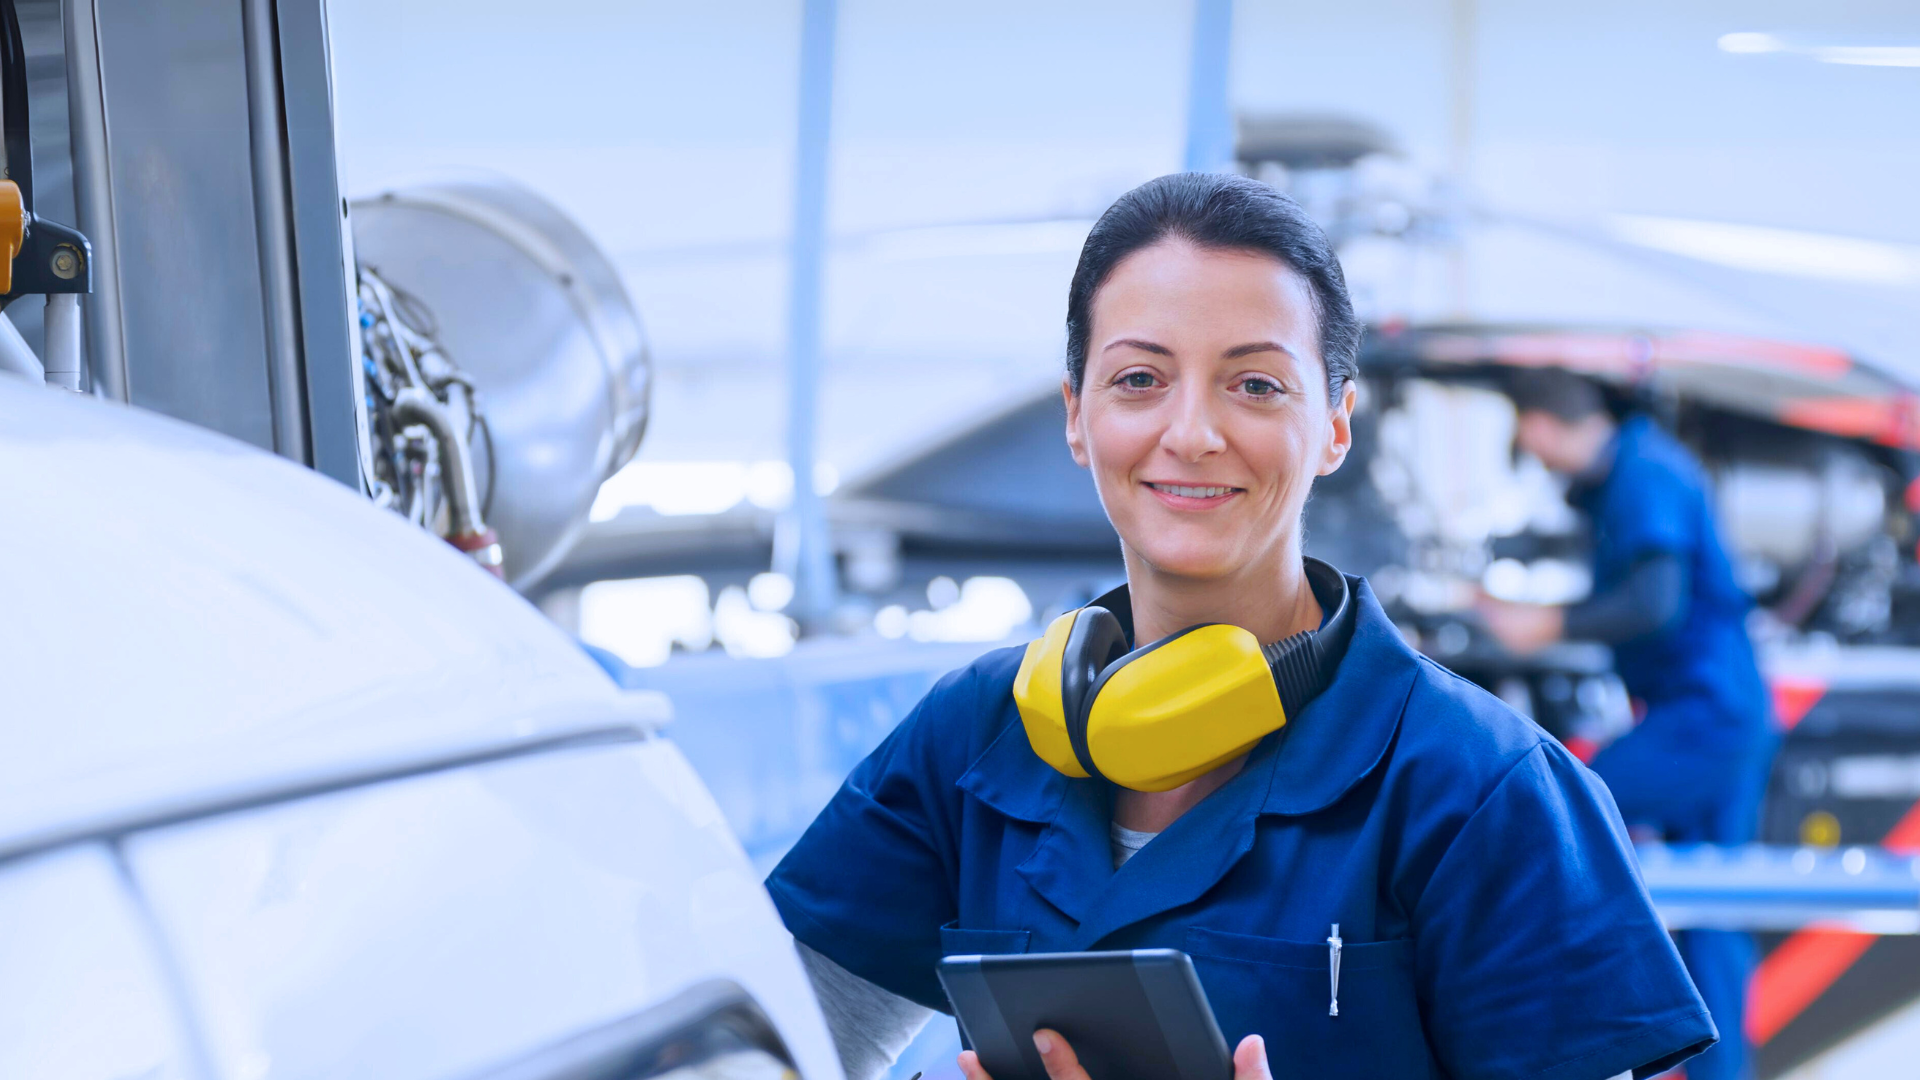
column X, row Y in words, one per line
column 1665, row 599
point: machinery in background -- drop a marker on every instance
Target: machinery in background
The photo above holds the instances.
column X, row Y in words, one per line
column 1815, row 457
column 458, row 351
column 429, row 450
column 505, row 369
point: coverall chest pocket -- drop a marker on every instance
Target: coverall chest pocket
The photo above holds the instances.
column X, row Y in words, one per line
column 1284, row 989
column 955, row 941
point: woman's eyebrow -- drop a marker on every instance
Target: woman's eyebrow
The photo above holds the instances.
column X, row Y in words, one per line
column 1144, row 346
column 1252, row 347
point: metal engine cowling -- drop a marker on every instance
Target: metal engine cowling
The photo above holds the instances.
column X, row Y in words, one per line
column 535, row 317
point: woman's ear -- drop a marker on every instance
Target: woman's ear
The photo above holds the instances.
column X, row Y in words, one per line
column 1340, row 420
column 1075, row 441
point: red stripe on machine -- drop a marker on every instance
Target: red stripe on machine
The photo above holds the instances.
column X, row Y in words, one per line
column 1812, row 960
column 1794, row 697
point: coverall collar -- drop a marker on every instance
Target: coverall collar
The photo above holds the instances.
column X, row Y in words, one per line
column 1335, row 742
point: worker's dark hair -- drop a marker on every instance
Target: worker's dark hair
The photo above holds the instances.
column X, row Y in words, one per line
column 1558, row 391
column 1224, row 212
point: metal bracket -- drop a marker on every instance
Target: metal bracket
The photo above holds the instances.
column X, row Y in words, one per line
column 53, row 258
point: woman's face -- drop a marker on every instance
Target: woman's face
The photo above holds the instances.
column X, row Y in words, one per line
column 1203, row 414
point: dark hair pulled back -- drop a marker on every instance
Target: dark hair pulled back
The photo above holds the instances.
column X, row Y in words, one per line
column 1225, row 212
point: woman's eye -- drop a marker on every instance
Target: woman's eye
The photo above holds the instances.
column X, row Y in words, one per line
column 1259, row 387
column 1137, row 380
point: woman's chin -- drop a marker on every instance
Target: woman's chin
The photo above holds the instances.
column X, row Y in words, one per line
column 1197, row 564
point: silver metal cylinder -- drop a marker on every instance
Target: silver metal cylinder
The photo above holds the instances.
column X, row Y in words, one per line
column 62, row 357
column 530, row 309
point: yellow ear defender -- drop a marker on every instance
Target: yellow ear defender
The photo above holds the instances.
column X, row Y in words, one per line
column 1161, row 715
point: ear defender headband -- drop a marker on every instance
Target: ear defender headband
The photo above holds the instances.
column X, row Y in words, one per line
column 1161, row 715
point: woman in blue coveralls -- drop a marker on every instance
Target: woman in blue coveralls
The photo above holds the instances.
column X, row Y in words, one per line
column 1493, row 919
column 1664, row 597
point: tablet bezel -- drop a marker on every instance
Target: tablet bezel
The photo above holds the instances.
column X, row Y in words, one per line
column 1083, row 985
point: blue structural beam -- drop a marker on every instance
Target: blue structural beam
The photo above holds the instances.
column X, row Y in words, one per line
column 1210, row 132
column 805, row 551
column 1758, row 887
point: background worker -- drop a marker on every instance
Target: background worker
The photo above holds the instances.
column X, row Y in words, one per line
column 1665, row 599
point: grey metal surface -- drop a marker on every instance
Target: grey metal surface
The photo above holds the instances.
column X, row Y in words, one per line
column 322, row 246
column 972, row 470
column 530, row 308
column 179, row 150
column 274, row 218
column 105, row 342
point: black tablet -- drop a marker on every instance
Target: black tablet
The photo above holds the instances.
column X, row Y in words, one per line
column 1138, row 1015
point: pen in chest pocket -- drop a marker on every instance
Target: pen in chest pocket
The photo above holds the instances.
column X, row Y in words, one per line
column 1333, row 970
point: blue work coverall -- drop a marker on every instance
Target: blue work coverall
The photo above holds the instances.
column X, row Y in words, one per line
column 1696, row 766
column 1494, row 919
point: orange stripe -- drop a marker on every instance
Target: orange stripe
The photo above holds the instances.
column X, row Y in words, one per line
column 1794, row 697
column 1796, row 973
column 1812, row 960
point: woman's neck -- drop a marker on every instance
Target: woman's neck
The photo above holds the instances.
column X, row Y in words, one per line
column 1272, row 601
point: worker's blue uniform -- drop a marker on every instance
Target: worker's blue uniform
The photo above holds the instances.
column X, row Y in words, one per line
column 1493, row 918
column 1696, row 766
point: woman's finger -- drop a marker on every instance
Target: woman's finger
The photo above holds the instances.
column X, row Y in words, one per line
column 1250, row 1059
column 1061, row 1062
column 970, row 1066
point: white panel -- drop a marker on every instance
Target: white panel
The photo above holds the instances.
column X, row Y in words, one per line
column 255, row 611
column 81, row 997
column 432, row 926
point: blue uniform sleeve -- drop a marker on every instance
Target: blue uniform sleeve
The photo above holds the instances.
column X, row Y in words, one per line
column 1650, row 511
column 872, row 880
column 1539, row 953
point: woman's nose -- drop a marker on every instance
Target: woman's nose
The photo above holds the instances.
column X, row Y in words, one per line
column 1192, row 431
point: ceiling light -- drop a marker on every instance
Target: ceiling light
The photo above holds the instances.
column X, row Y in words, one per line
column 1767, row 250
column 1868, row 55
column 1751, row 43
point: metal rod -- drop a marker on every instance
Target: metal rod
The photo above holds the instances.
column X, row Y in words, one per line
column 1462, row 79
column 1210, row 132
column 62, row 356
column 16, row 355
column 1762, row 887
column 273, row 219
column 106, row 341
column 813, row 572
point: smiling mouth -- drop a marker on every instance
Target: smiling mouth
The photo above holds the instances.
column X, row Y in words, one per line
column 1194, row 491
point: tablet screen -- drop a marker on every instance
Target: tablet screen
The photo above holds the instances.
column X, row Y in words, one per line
column 1126, row 1014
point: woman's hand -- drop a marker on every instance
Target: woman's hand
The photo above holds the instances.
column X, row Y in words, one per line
column 1249, row 1059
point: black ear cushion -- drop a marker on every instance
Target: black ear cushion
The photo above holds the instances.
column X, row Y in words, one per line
column 1095, row 642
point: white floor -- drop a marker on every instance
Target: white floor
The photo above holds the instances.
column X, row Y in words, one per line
column 1890, row 1048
